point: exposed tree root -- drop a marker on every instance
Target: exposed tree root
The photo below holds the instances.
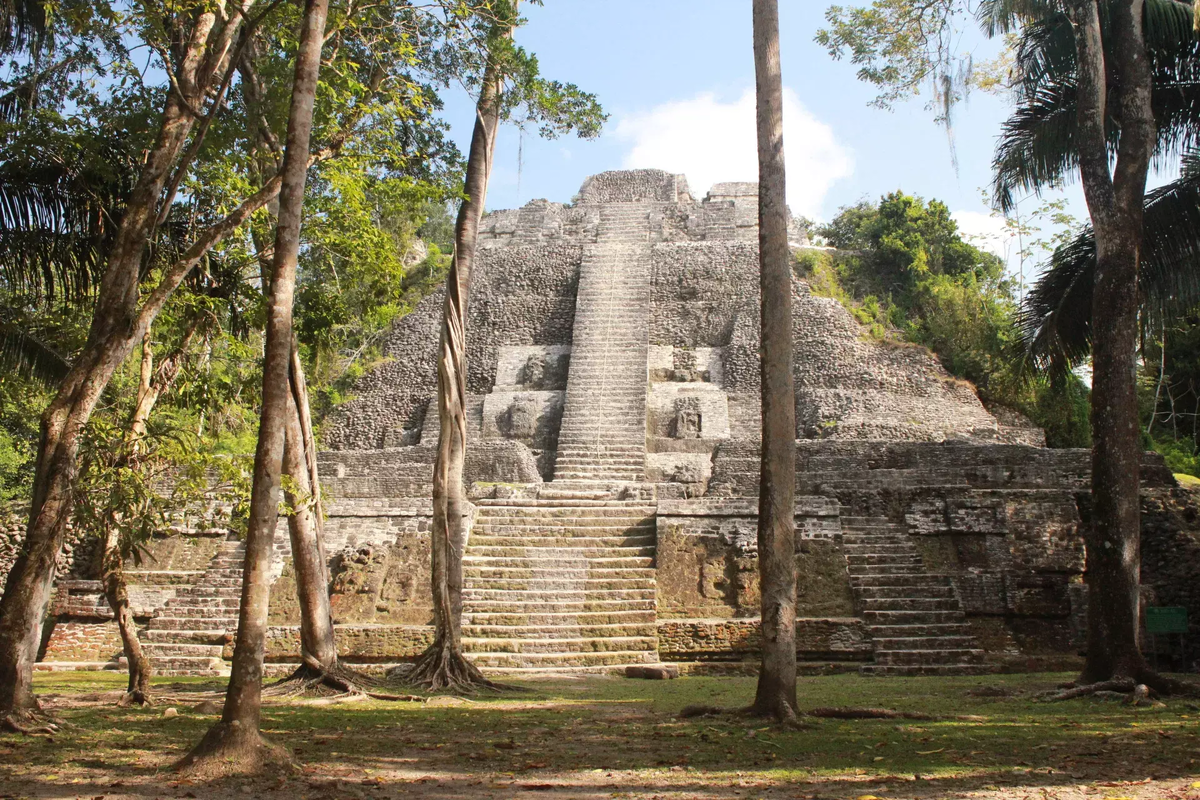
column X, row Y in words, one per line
column 230, row 749
column 29, row 723
column 1148, row 686
column 135, row 697
column 442, row 669
column 338, row 685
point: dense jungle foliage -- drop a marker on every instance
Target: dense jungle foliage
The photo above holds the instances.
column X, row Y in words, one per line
column 904, row 270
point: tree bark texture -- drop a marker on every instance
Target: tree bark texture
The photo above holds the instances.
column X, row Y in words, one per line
column 318, row 648
column 1115, row 202
column 117, row 594
column 117, row 326
column 235, row 743
column 443, row 665
column 776, row 694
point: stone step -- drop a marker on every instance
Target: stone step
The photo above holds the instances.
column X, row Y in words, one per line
column 856, row 560
column 596, row 500
column 474, row 594
column 192, row 624
column 912, row 579
column 183, row 637
column 927, row 657
column 581, row 562
column 564, row 645
column 911, row 604
column 493, row 538
column 926, row 669
column 198, row 612
column 887, row 643
column 873, row 570
column 901, row 592
column 636, row 527
column 210, row 591
column 170, row 650
column 889, row 618
column 536, row 571
column 565, row 606
column 556, row 584
column 599, row 515
column 189, row 665
column 610, row 658
column 874, row 548
column 917, row 629
column 600, row 474
column 599, row 631
column 546, row 552
column 561, row 618
column 204, row 602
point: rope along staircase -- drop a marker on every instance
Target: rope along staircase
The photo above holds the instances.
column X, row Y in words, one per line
column 915, row 619
column 563, row 584
column 603, row 434
column 188, row 635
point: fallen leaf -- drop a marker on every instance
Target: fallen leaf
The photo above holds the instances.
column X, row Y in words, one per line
column 929, row 752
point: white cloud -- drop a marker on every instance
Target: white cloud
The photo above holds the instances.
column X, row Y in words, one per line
column 986, row 232
column 711, row 141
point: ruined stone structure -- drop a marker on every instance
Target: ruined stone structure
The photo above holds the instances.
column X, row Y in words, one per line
column 613, row 458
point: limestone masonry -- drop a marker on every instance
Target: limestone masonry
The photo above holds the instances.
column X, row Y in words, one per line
column 613, row 458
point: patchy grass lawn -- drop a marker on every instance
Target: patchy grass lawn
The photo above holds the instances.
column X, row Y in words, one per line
column 618, row 738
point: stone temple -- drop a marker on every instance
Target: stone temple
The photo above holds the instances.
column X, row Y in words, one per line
column 613, row 426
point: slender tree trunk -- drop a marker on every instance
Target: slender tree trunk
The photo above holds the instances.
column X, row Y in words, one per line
column 443, row 665
column 318, row 648
column 117, row 593
column 235, row 744
column 776, row 695
column 151, row 385
column 1115, row 202
column 116, row 327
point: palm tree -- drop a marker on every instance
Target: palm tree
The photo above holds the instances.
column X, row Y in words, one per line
column 1086, row 73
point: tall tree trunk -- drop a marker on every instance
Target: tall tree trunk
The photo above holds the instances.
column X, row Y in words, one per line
column 442, row 665
column 235, row 743
column 117, row 593
column 776, row 694
column 1115, row 202
column 318, row 649
column 115, row 329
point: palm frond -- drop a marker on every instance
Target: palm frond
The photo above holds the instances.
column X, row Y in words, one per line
column 56, row 218
column 22, row 351
column 1037, row 148
column 23, row 25
column 1056, row 319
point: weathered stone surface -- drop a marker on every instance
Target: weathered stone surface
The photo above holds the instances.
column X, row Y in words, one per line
column 613, row 462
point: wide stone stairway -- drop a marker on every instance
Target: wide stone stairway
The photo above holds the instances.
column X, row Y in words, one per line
column 560, row 584
column 915, row 619
column 603, row 434
column 188, row 635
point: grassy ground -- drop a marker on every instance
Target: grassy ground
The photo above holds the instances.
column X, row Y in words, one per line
column 606, row 738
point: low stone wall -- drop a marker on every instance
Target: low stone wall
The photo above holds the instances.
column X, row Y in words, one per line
column 834, row 639
column 357, row 644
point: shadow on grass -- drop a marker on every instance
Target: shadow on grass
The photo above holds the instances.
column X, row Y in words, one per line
column 602, row 737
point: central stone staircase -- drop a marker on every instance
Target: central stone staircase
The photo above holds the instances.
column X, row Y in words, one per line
column 187, row 637
column 560, row 584
column 916, row 622
column 603, row 434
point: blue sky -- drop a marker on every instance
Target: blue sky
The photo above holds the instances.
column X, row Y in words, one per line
column 677, row 77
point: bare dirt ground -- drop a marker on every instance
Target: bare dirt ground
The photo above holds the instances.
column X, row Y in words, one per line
column 617, row 738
